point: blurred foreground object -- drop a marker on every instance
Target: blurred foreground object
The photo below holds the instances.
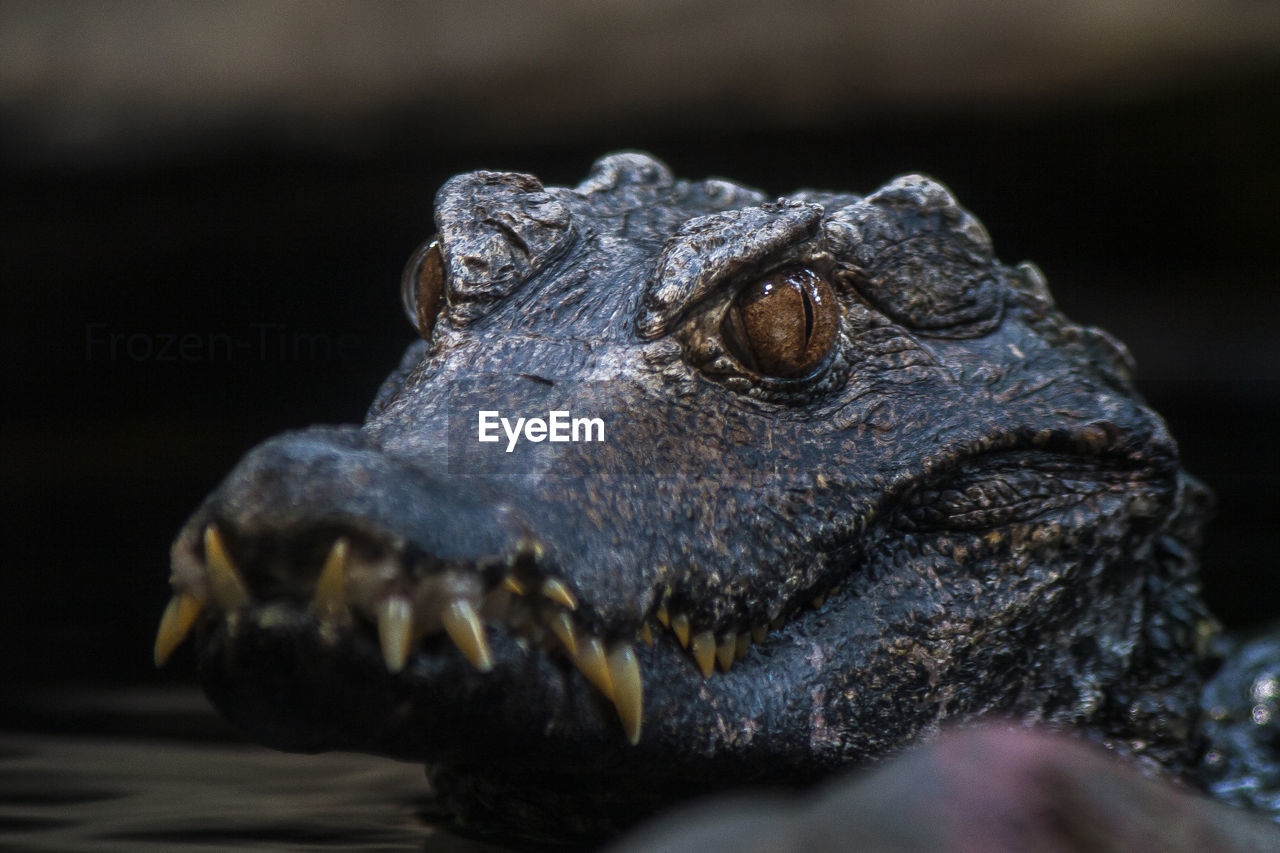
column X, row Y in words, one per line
column 984, row 789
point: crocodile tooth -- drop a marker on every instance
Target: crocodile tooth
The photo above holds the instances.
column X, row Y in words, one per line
column 680, row 624
column 562, row 625
column 741, row 645
column 591, row 661
column 663, row 616
column 704, row 652
column 759, row 633
column 225, row 583
column 529, row 547
column 514, row 585
column 465, row 629
column 724, row 652
column 559, row 593
column 395, row 630
column 329, row 601
column 646, row 634
column 628, row 691
column 818, row 601
column 175, row 624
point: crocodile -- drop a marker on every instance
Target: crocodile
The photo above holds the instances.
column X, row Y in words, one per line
column 844, row 479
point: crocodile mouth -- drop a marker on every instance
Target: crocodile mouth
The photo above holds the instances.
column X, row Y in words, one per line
column 375, row 591
column 303, row 587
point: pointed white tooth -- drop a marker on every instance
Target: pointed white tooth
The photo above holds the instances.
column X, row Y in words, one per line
column 329, row 601
column 591, row 661
column 646, row 634
column 562, row 625
column 175, row 624
column 559, row 593
column 680, row 625
column 704, row 652
column 225, row 584
column 467, row 632
column 628, row 690
column 724, row 652
column 514, row 585
column 664, row 617
column 395, row 630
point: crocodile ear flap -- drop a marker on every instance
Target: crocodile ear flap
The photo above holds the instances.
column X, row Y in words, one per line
column 926, row 262
column 497, row 231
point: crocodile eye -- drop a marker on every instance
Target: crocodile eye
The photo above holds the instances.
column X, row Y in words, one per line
column 422, row 287
column 783, row 324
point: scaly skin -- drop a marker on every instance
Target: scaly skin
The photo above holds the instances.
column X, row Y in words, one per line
column 955, row 506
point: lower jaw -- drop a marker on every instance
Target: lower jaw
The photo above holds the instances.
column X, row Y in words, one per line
column 353, row 707
column 288, row 686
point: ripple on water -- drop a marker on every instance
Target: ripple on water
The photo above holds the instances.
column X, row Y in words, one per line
column 73, row 793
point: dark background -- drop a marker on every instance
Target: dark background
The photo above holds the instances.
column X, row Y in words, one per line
column 221, row 191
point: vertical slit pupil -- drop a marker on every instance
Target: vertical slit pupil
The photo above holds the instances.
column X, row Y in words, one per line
column 808, row 314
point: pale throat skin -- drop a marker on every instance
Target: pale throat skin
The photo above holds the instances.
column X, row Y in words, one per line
column 861, row 480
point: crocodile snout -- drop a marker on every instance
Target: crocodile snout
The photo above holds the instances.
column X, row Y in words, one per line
column 373, row 550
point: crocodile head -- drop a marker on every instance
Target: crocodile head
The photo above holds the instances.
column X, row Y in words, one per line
column 849, row 478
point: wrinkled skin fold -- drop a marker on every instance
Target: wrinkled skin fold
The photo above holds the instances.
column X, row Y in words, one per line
column 963, row 509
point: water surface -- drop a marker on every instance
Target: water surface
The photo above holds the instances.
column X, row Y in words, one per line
column 155, row 770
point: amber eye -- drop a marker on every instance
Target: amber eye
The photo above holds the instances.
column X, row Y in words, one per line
column 422, row 287
column 784, row 324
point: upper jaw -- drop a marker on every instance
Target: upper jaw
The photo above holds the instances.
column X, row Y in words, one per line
column 278, row 559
